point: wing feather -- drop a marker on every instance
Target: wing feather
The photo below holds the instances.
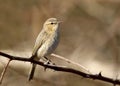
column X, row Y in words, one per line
column 39, row 41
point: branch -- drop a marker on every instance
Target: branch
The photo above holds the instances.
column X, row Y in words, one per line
column 70, row 61
column 64, row 69
column 4, row 71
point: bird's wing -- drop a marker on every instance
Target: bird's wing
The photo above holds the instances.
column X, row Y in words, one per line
column 39, row 41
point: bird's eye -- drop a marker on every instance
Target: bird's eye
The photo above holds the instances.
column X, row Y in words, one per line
column 52, row 23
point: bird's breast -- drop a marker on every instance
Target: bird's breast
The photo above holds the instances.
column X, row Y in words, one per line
column 49, row 45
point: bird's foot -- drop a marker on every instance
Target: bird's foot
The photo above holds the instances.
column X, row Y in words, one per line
column 47, row 63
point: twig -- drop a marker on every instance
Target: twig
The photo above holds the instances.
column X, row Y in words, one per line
column 65, row 69
column 4, row 71
column 70, row 61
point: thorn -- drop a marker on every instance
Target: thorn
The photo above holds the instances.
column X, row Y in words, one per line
column 100, row 74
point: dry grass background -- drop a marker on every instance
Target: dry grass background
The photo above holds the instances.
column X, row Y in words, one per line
column 90, row 35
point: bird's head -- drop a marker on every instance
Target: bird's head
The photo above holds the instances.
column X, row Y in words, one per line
column 51, row 24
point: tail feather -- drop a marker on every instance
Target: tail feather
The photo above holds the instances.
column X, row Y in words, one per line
column 32, row 70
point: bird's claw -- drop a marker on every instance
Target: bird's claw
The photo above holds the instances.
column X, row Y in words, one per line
column 47, row 63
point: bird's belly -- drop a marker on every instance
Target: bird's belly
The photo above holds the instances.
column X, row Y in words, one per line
column 47, row 48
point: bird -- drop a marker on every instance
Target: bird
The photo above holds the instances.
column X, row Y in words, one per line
column 46, row 42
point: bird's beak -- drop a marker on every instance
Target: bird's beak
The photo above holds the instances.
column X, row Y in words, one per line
column 60, row 21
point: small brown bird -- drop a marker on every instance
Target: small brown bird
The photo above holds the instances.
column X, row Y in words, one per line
column 46, row 42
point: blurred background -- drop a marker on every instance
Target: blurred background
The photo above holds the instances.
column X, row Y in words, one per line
column 90, row 36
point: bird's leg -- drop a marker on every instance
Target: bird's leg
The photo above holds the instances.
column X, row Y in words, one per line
column 48, row 62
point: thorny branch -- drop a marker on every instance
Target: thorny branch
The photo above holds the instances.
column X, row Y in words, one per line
column 64, row 69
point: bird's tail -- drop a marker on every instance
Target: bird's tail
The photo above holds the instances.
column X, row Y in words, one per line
column 32, row 70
